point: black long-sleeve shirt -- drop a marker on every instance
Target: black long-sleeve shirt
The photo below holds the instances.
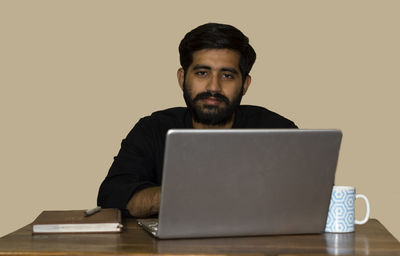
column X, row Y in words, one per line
column 139, row 162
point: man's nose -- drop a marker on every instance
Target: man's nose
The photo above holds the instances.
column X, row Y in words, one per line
column 214, row 84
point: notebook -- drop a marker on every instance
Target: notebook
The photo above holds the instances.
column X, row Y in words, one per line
column 75, row 221
column 245, row 182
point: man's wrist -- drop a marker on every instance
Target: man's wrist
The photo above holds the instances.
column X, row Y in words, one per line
column 145, row 202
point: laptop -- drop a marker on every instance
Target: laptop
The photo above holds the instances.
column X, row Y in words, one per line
column 245, row 182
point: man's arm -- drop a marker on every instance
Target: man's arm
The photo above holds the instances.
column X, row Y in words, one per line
column 132, row 171
column 145, row 202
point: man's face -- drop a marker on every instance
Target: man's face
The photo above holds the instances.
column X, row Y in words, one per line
column 213, row 86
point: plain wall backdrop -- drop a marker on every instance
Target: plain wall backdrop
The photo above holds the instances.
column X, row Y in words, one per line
column 75, row 76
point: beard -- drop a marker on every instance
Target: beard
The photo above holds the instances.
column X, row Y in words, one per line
column 210, row 114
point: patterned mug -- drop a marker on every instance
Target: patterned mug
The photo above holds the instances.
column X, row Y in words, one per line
column 341, row 210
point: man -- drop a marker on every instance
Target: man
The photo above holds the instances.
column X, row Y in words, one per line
column 216, row 60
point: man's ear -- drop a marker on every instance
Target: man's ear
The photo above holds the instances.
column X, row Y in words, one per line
column 246, row 84
column 181, row 77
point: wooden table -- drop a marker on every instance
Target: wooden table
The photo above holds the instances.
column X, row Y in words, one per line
column 369, row 239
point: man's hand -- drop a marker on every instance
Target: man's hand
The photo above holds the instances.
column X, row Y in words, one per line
column 144, row 203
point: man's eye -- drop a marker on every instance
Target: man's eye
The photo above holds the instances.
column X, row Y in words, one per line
column 201, row 73
column 228, row 76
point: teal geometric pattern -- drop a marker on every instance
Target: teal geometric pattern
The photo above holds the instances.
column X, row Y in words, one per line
column 341, row 211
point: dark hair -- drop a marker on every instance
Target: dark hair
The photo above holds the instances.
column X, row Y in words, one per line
column 217, row 36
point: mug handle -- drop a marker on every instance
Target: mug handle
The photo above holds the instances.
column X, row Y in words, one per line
column 367, row 213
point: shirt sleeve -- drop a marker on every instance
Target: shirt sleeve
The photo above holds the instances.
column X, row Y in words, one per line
column 131, row 171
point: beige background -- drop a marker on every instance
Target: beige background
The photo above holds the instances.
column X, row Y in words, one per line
column 77, row 75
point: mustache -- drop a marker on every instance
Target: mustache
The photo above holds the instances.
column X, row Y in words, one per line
column 206, row 95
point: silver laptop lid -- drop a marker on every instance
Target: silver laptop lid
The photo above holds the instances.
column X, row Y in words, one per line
column 247, row 182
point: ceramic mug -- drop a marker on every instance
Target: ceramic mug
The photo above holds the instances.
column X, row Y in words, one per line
column 341, row 210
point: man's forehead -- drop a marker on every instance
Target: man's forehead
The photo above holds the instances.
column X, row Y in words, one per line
column 216, row 58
